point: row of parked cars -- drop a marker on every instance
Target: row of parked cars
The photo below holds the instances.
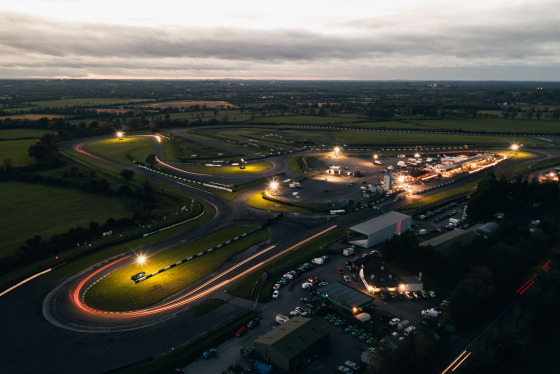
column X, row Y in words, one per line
column 349, row 367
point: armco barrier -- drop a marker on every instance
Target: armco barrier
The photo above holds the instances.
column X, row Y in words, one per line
column 211, row 185
column 197, row 255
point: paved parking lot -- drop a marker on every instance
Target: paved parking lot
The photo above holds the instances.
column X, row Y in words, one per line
column 343, row 346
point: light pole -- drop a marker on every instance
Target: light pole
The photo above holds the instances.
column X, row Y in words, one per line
column 336, row 150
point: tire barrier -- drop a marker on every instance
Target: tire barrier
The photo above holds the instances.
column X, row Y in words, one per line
column 197, row 255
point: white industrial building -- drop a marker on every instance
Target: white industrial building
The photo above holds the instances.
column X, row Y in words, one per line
column 377, row 230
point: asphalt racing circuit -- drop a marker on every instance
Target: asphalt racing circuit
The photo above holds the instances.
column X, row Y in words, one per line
column 48, row 328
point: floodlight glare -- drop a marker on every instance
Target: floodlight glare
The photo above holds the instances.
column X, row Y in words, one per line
column 141, row 260
column 120, row 135
column 375, row 156
column 336, row 150
column 514, row 147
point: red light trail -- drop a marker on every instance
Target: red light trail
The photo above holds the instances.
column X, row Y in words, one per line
column 193, row 294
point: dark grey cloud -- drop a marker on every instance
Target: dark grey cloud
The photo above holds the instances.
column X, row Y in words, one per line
column 364, row 49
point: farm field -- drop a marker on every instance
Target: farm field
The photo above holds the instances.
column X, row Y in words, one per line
column 188, row 104
column 123, row 151
column 85, row 102
column 118, row 292
column 48, row 211
column 23, row 133
column 16, row 152
column 32, row 116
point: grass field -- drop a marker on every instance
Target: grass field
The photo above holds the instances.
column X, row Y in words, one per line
column 439, row 198
column 16, row 152
column 123, row 151
column 117, row 292
column 185, row 149
column 422, row 139
column 23, row 133
column 29, row 210
column 307, row 120
column 256, row 201
column 85, row 102
column 32, row 117
column 250, row 168
column 188, row 104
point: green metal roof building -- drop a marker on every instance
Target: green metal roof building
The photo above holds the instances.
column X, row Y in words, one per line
column 345, row 297
column 290, row 344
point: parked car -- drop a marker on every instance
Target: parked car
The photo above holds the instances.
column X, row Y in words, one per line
column 395, row 321
column 345, row 370
column 301, row 311
column 252, row 323
column 209, row 353
column 242, row 331
column 347, row 278
column 432, row 293
column 276, row 286
column 352, row 365
column 275, row 294
column 340, row 271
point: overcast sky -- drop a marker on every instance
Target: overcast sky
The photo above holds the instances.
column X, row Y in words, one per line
column 303, row 39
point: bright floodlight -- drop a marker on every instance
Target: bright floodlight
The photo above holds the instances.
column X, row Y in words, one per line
column 416, row 155
column 375, row 156
column 336, row 150
column 401, row 179
column 120, row 135
column 141, row 260
column 274, row 185
column 514, row 147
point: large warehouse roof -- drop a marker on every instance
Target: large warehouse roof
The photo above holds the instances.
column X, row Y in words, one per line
column 293, row 336
column 379, row 223
column 345, row 295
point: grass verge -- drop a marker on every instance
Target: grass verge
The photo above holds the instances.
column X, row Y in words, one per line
column 439, row 198
column 207, row 306
column 256, row 201
column 250, row 168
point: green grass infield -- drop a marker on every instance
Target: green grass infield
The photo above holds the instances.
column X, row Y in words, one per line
column 123, row 151
column 117, row 292
column 250, row 168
